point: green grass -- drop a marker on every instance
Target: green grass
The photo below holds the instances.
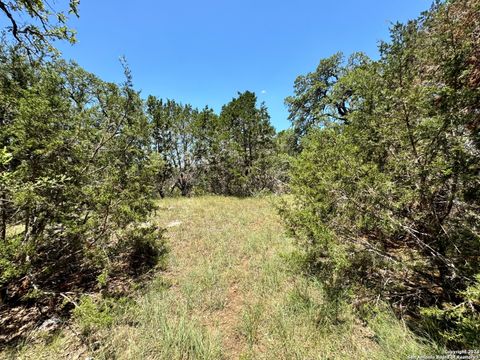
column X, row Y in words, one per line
column 232, row 290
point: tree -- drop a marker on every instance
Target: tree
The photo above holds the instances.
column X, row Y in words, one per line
column 44, row 25
column 207, row 150
column 388, row 195
column 175, row 138
column 320, row 97
column 228, row 154
column 248, row 135
column 77, row 179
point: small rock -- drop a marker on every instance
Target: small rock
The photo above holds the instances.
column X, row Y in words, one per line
column 50, row 324
column 174, row 223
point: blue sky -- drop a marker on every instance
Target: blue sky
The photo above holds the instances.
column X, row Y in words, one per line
column 204, row 52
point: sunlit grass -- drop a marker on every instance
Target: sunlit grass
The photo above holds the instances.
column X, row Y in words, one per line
column 233, row 289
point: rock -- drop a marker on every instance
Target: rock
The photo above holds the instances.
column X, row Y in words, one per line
column 174, row 223
column 50, row 324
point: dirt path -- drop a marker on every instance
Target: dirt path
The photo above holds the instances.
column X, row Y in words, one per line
column 213, row 260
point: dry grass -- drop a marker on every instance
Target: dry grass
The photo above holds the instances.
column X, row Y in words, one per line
column 232, row 291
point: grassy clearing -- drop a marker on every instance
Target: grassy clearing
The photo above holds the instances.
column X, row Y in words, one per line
column 232, row 290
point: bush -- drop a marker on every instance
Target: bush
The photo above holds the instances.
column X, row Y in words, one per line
column 457, row 324
column 385, row 189
column 92, row 314
column 145, row 247
column 77, row 177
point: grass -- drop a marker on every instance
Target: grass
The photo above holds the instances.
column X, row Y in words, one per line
column 232, row 290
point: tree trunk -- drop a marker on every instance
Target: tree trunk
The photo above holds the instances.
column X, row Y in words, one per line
column 3, row 220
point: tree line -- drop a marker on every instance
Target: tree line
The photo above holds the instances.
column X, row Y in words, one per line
column 233, row 153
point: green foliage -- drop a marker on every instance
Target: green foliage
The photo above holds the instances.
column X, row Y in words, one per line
column 320, row 97
column 92, row 314
column 145, row 247
column 35, row 25
column 232, row 154
column 247, row 147
column 77, row 175
column 457, row 323
column 102, row 278
column 384, row 189
column 176, row 138
column 11, row 254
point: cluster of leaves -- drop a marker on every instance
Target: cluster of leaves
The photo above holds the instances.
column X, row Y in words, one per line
column 95, row 313
column 386, row 186
column 231, row 154
column 457, row 323
column 77, row 177
column 35, row 25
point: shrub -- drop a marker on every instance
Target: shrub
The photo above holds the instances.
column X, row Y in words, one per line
column 91, row 314
column 76, row 171
column 457, row 323
column 385, row 189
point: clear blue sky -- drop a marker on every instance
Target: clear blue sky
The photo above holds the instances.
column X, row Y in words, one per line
column 204, row 52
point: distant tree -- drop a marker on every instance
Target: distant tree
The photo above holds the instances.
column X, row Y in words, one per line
column 227, row 154
column 247, row 137
column 207, row 149
column 285, row 142
column 175, row 139
column 285, row 154
column 319, row 97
